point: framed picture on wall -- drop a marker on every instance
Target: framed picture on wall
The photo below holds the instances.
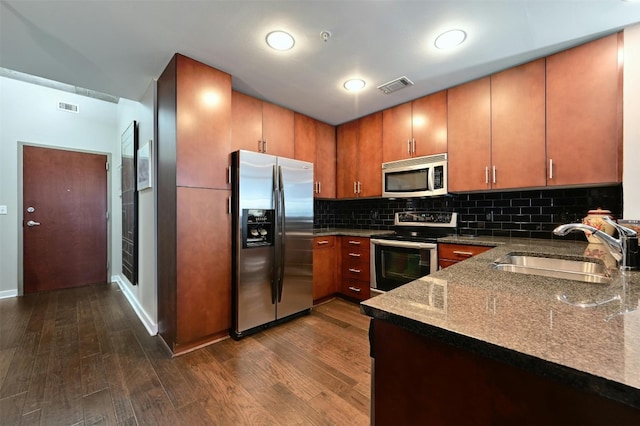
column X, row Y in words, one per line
column 144, row 166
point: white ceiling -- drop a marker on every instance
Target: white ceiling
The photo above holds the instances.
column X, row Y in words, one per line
column 117, row 47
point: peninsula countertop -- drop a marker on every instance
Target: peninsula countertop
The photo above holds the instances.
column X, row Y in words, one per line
column 581, row 334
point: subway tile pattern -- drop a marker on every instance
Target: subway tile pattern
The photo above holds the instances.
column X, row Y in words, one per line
column 526, row 214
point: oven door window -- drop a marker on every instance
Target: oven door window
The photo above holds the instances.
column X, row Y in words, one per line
column 396, row 266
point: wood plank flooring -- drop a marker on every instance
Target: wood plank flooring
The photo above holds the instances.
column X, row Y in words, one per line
column 81, row 357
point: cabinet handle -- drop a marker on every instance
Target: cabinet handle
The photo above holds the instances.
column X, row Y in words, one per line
column 486, row 174
column 409, row 147
column 264, row 144
column 229, row 205
column 463, row 253
column 357, row 243
column 494, row 174
column 322, row 242
column 319, row 187
column 413, row 146
column 259, row 145
column 359, row 187
column 355, row 187
column 357, row 271
column 229, row 174
column 551, row 168
column 354, row 254
column 356, row 289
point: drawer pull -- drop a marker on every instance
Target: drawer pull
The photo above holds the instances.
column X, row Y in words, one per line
column 357, row 271
column 357, row 243
column 463, row 253
column 354, row 254
column 356, row 289
column 320, row 243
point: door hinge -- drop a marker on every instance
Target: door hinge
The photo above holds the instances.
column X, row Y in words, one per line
column 106, row 166
column 107, row 215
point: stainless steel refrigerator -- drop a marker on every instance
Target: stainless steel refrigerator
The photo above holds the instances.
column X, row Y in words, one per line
column 272, row 262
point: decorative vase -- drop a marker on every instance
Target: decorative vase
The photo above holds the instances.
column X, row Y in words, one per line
column 594, row 219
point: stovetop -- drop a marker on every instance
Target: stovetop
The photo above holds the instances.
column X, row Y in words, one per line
column 422, row 226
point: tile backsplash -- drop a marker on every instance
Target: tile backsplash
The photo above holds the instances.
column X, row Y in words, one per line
column 527, row 214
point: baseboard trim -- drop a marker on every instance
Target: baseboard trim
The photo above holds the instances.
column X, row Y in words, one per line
column 7, row 294
column 149, row 324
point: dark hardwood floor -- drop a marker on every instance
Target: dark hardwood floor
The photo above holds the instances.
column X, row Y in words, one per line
column 81, row 357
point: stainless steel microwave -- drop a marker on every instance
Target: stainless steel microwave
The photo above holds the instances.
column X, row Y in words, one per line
column 415, row 177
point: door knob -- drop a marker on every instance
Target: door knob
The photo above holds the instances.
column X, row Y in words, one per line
column 33, row 223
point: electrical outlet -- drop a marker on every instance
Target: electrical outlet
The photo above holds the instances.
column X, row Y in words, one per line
column 3, row 209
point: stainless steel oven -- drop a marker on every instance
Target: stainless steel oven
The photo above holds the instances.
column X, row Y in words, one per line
column 411, row 252
column 394, row 263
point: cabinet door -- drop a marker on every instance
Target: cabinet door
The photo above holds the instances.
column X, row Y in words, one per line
column 347, row 159
column 246, row 122
column 203, row 128
column 304, row 138
column 325, row 282
column 370, row 155
column 469, row 117
column 517, row 126
column 429, row 124
column 583, row 112
column 325, row 165
column 203, row 293
column 277, row 130
column 396, row 133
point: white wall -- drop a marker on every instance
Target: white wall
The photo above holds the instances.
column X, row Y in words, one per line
column 143, row 297
column 631, row 168
column 29, row 114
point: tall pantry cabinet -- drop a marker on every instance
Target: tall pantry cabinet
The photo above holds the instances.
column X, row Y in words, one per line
column 194, row 226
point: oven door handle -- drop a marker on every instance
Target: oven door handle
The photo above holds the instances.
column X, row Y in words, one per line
column 407, row 244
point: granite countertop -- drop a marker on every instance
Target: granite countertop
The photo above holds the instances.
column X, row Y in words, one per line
column 348, row 232
column 582, row 334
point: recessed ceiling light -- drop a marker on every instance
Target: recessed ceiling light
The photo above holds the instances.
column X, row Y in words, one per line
column 449, row 39
column 280, row 40
column 354, row 84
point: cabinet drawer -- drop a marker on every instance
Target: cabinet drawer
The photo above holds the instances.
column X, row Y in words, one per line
column 324, row 242
column 356, row 289
column 459, row 252
column 357, row 270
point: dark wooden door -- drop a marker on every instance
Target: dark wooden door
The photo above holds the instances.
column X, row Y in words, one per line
column 65, row 194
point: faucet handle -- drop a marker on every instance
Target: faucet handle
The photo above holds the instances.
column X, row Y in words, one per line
column 622, row 230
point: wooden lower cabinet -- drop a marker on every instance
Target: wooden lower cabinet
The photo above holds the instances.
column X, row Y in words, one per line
column 325, row 268
column 450, row 254
column 437, row 383
column 354, row 271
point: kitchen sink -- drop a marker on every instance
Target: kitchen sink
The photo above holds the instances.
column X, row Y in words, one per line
column 574, row 268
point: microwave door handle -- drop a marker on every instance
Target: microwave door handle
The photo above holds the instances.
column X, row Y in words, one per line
column 431, row 173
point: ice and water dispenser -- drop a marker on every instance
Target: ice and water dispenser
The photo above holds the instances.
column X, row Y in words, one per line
column 257, row 227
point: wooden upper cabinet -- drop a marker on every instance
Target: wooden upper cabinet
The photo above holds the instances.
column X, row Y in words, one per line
column 325, row 165
column 584, row 113
column 469, row 133
column 347, row 159
column 429, row 124
column 261, row 126
column 416, row 128
column 304, row 138
column 277, row 130
column 246, row 122
column 396, row 133
column 203, row 127
column 370, row 155
column 518, row 126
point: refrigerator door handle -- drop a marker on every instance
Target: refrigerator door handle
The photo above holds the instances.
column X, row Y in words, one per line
column 275, row 273
column 281, row 233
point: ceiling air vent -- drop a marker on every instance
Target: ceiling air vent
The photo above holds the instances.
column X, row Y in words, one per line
column 63, row 106
column 395, row 85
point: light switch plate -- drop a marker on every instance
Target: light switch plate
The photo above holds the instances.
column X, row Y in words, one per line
column 3, row 209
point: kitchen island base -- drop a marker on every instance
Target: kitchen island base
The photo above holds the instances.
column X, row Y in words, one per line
column 421, row 380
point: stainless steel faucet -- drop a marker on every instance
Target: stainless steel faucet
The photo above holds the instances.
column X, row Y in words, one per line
column 617, row 246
